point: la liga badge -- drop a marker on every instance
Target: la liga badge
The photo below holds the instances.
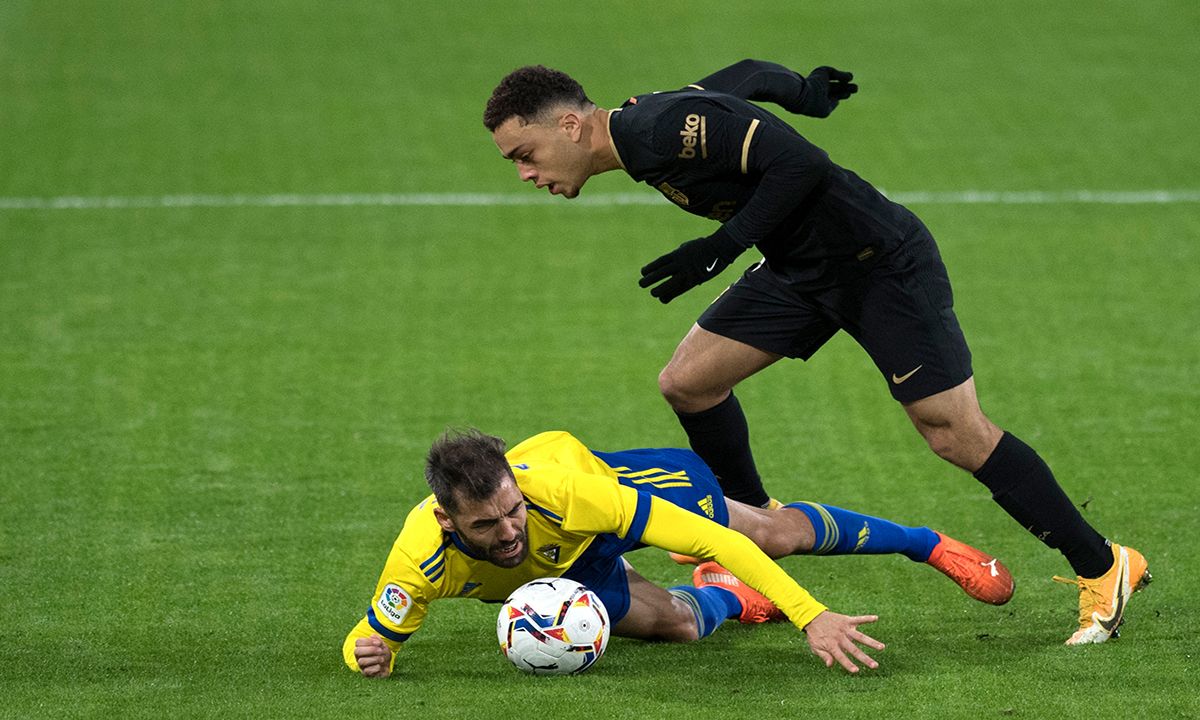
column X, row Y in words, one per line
column 394, row 603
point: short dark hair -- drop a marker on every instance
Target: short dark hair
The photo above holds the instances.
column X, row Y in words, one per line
column 467, row 464
column 528, row 91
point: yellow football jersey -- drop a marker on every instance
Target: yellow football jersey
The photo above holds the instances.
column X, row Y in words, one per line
column 571, row 496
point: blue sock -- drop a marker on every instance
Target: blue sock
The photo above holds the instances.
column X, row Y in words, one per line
column 712, row 605
column 843, row 532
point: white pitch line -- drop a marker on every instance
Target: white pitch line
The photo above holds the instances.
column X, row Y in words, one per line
column 1037, row 197
column 963, row 197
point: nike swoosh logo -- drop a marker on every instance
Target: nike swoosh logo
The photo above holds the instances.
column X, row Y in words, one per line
column 1109, row 624
column 991, row 566
column 710, row 267
column 897, row 379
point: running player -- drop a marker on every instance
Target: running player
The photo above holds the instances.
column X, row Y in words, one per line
column 837, row 255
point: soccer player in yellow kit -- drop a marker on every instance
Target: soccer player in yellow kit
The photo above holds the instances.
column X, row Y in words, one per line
column 552, row 507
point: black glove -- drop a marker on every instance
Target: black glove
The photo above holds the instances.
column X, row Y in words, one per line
column 826, row 88
column 690, row 264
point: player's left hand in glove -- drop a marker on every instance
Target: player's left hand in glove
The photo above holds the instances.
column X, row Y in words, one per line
column 690, row 264
column 826, row 88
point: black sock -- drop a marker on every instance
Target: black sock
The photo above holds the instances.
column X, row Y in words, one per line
column 1023, row 485
column 720, row 436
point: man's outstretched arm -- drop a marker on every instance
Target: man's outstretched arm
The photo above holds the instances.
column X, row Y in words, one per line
column 831, row 636
column 816, row 95
column 395, row 613
column 366, row 651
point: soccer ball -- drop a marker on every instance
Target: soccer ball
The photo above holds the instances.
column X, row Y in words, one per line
column 553, row 626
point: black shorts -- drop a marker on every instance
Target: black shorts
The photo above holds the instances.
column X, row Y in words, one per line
column 899, row 308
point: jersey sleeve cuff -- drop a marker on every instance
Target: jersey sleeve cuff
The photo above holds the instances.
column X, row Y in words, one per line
column 807, row 613
column 728, row 247
column 641, row 515
column 383, row 630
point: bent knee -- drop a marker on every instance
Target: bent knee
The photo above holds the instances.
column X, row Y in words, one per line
column 676, row 389
column 683, row 393
column 940, row 439
column 775, row 539
column 673, row 386
column 682, row 633
column 965, row 446
column 680, row 627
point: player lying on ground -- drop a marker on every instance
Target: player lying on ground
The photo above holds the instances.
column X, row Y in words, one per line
column 552, row 507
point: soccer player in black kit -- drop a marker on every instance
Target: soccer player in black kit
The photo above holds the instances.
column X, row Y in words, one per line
column 837, row 255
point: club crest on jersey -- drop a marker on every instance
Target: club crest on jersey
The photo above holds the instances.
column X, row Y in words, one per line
column 693, row 132
column 723, row 210
column 672, row 194
column 467, row 588
column 394, row 603
column 550, row 552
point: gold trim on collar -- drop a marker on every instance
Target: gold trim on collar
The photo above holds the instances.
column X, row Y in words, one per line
column 611, row 144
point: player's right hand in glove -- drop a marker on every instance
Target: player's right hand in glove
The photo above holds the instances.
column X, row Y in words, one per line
column 826, row 87
column 690, row 264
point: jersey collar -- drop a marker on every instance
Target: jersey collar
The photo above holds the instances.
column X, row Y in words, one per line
column 458, row 543
column 612, row 143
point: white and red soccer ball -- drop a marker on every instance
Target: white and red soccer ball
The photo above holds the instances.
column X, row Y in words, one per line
column 553, row 626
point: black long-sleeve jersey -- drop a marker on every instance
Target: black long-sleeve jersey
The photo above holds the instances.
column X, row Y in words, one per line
column 716, row 155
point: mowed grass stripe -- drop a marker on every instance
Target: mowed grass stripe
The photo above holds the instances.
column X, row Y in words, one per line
column 914, row 197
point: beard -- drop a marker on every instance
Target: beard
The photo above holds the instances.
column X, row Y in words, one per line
column 499, row 554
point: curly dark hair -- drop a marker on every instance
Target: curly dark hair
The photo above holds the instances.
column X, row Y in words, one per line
column 465, row 464
column 527, row 91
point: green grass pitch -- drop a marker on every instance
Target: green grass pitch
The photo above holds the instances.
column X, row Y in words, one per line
column 212, row 419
